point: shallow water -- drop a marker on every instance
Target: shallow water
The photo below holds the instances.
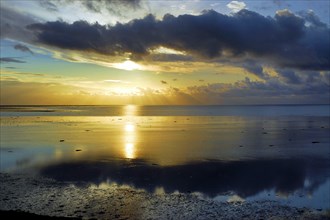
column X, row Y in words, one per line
column 278, row 153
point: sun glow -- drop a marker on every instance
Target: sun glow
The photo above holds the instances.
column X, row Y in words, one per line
column 165, row 50
column 126, row 91
column 128, row 65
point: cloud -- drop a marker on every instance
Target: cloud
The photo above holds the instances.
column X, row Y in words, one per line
column 23, row 48
column 10, row 60
column 304, row 87
column 49, row 5
column 273, row 91
column 110, row 5
column 117, row 7
column 309, row 87
column 236, row 6
column 253, row 67
column 13, row 25
column 289, row 76
column 170, row 57
column 17, row 92
column 24, row 73
column 278, row 3
column 117, row 81
column 312, row 18
column 282, row 41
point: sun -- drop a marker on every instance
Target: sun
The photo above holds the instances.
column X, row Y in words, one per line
column 128, row 65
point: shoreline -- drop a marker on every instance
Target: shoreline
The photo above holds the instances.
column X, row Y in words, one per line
column 50, row 198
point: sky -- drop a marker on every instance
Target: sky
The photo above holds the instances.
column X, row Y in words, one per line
column 157, row 52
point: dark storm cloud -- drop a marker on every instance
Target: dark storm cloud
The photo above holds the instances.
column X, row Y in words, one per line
column 284, row 40
column 23, row 48
column 10, row 60
column 254, row 68
column 135, row 37
column 289, row 76
column 290, row 87
column 79, row 36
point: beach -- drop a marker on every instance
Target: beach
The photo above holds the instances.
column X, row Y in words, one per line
column 50, row 198
column 155, row 109
column 165, row 163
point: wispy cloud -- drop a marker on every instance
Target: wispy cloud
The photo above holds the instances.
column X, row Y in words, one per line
column 23, row 48
column 236, row 6
column 275, row 91
column 11, row 60
column 48, row 5
column 117, row 81
column 96, row 6
column 13, row 25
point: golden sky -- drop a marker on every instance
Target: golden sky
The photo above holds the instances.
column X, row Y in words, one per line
column 164, row 52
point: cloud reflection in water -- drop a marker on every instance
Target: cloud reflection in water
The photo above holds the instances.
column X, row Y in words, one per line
column 245, row 178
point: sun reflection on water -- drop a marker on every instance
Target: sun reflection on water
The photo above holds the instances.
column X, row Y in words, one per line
column 130, row 110
column 130, row 138
column 129, row 127
column 129, row 151
column 130, row 134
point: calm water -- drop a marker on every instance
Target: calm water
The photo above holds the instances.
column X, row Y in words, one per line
column 132, row 110
column 247, row 152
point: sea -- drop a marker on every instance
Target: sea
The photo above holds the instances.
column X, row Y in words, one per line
column 247, row 153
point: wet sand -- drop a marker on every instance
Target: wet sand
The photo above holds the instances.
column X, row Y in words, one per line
column 47, row 197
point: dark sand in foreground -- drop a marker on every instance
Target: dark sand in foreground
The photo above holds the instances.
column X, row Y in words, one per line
column 50, row 198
